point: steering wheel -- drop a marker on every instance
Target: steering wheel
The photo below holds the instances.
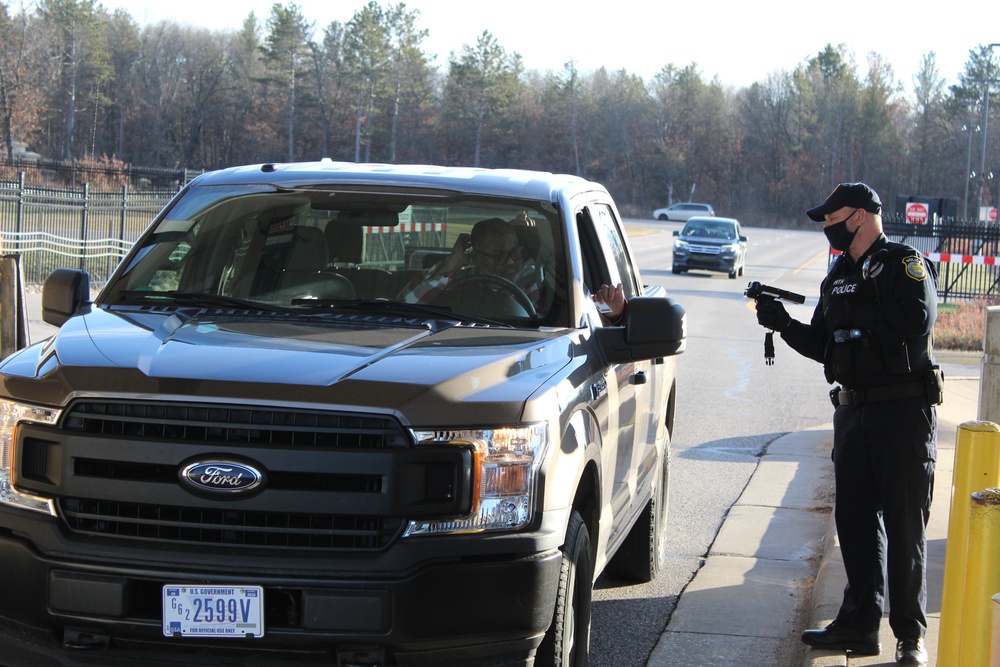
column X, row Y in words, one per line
column 491, row 280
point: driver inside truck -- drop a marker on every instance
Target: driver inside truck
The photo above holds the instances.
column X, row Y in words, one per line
column 494, row 248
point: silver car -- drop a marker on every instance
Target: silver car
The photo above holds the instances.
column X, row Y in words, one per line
column 683, row 211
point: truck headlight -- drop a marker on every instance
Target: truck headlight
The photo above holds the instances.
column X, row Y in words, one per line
column 11, row 414
column 505, row 477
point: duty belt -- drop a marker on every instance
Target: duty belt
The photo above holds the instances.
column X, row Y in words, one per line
column 841, row 396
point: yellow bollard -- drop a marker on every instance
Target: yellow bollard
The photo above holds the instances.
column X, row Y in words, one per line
column 977, row 466
column 995, row 650
column 982, row 577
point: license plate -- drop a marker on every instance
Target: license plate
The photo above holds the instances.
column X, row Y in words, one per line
column 213, row 611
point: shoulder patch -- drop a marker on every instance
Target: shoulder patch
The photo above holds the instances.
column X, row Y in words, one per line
column 915, row 268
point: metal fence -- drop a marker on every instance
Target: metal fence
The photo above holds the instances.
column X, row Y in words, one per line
column 77, row 227
column 967, row 254
column 73, row 173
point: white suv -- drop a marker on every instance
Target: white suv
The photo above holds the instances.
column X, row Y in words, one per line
column 681, row 212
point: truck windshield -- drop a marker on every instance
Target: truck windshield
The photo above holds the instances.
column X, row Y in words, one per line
column 323, row 249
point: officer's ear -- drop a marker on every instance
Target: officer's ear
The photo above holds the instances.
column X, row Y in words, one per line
column 862, row 217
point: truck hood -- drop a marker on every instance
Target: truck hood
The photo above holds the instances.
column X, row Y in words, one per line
column 283, row 357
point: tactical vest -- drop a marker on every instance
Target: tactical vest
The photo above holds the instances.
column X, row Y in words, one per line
column 859, row 357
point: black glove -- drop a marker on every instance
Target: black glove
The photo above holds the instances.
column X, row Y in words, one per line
column 771, row 314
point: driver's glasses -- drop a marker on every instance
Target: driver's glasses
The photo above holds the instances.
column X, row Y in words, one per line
column 502, row 257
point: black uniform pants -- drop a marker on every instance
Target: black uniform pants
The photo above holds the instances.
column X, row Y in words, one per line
column 883, row 455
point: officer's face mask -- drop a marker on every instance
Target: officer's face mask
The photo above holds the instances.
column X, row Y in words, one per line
column 839, row 236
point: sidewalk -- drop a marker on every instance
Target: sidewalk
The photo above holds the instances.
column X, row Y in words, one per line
column 775, row 570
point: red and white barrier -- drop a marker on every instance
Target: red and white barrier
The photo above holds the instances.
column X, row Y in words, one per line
column 954, row 258
column 409, row 227
column 951, row 258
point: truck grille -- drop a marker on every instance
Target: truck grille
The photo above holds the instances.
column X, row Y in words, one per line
column 229, row 527
column 234, row 424
column 335, row 480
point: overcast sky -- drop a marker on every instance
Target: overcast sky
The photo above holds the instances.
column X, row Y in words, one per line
column 741, row 42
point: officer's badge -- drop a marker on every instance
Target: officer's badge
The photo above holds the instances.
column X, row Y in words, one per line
column 915, row 268
column 873, row 264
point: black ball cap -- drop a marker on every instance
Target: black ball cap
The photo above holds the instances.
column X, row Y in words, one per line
column 852, row 195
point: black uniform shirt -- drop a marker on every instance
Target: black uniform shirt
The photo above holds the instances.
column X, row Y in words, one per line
column 874, row 318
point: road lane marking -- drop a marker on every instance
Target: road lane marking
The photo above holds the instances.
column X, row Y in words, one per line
column 810, row 261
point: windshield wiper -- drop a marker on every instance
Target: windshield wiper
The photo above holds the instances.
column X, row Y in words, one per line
column 401, row 307
column 202, row 299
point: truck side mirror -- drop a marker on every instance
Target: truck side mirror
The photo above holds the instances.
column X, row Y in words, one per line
column 654, row 327
column 64, row 291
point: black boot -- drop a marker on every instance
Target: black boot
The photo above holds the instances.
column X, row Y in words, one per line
column 834, row 638
column 911, row 652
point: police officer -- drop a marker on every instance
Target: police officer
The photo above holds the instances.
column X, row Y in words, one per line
column 871, row 330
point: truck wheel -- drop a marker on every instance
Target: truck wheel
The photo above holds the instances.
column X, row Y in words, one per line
column 567, row 643
column 641, row 555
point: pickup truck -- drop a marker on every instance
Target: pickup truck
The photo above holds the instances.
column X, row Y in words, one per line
column 277, row 433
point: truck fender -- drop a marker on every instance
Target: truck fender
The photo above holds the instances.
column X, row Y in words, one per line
column 577, row 460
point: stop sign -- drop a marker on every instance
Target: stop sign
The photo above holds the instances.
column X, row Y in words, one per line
column 993, row 214
column 916, row 213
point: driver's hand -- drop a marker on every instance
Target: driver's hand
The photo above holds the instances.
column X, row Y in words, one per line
column 460, row 255
column 613, row 298
column 522, row 219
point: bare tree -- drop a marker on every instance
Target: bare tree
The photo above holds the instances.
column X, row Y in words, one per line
column 19, row 101
column 409, row 68
column 122, row 34
column 480, row 85
column 327, row 81
column 286, row 49
column 367, row 57
column 928, row 88
column 79, row 54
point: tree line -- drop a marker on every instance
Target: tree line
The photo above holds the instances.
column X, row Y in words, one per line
column 80, row 82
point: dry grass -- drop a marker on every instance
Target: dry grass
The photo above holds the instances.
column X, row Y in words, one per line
column 960, row 325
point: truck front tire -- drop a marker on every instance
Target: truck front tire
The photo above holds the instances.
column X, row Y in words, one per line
column 567, row 642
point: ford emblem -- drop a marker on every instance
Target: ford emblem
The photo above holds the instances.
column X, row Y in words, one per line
column 221, row 477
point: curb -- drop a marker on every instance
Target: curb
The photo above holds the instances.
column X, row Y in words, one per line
column 826, row 595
